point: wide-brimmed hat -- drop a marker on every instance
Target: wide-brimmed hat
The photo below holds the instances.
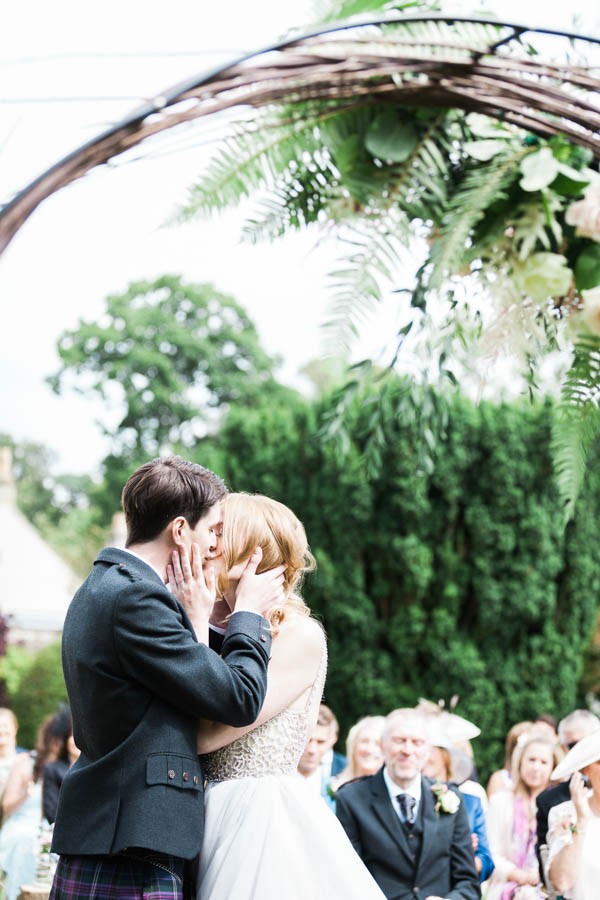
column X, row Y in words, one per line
column 456, row 728
column 585, row 752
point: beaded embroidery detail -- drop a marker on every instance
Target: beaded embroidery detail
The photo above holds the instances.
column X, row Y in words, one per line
column 272, row 748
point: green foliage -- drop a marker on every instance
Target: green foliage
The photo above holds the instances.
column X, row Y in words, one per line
column 576, row 426
column 166, row 353
column 37, row 689
column 455, row 577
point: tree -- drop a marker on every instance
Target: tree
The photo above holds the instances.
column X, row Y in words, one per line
column 168, row 355
column 39, row 690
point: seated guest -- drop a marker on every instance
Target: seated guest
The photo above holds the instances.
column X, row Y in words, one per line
column 318, row 745
column 65, row 753
column 363, row 750
column 22, row 809
column 412, row 834
column 8, row 746
column 501, row 780
column 439, row 767
column 512, row 822
column 332, row 762
column 574, row 826
column 548, row 722
column 571, row 729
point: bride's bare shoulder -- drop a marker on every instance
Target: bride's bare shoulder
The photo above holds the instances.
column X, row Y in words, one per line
column 303, row 631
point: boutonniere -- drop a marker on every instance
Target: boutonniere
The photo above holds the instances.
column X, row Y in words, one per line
column 331, row 791
column 446, row 801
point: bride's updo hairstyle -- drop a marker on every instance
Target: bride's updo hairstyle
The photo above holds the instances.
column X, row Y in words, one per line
column 252, row 520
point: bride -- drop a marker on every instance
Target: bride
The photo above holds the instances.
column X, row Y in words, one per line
column 267, row 835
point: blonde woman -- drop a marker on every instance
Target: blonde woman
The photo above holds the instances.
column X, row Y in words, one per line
column 512, row 821
column 363, row 750
column 267, row 835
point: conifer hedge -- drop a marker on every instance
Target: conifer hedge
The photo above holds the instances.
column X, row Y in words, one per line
column 452, row 579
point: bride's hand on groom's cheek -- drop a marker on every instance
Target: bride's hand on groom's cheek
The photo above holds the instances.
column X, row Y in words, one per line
column 194, row 588
column 260, row 593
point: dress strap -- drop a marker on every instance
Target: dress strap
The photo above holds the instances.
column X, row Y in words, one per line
column 319, row 682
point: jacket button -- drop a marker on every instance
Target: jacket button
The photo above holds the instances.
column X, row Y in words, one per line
column 263, row 638
column 186, row 776
column 196, row 779
column 171, row 774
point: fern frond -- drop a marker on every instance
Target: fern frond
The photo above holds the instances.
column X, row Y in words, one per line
column 481, row 186
column 255, row 155
column 576, row 424
column 356, row 287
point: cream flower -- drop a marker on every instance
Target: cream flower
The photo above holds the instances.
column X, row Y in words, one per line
column 446, row 800
column 543, row 275
column 585, row 213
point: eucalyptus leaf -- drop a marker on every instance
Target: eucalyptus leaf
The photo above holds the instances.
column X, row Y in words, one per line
column 569, row 182
column 390, row 139
column 485, row 149
column 587, row 268
column 539, row 170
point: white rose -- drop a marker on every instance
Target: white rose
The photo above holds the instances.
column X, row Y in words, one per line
column 449, row 802
column 585, row 213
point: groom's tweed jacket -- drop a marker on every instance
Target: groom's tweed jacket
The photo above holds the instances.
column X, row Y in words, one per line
column 137, row 681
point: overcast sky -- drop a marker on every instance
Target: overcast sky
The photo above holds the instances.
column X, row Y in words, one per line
column 67, row 70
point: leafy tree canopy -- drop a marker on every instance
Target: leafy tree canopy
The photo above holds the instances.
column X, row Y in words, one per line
column 167, row 355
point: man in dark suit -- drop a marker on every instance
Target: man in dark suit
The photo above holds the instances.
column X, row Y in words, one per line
column 139, row 674
column 412, row 834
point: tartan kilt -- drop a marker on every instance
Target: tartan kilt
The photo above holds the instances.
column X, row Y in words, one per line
column 130, row 875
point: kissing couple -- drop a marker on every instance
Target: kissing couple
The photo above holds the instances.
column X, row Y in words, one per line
column 194, row 673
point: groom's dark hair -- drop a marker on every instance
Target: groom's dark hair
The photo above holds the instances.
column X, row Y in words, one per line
column 163, row 489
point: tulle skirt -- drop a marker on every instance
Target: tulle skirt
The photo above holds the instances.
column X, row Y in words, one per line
column 273, row 838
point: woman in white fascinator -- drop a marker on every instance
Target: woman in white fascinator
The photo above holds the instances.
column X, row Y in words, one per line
column 574, row 827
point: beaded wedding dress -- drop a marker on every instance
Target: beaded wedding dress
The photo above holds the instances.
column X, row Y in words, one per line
column 267, row 835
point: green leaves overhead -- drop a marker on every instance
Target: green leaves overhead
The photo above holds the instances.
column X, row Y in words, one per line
column 587, row 268
column 390, row 139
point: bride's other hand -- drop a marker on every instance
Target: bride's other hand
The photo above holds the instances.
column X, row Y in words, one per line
column 194, row 588
column 259, row 593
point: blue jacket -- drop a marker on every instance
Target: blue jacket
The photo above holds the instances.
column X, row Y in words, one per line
column 476, row 817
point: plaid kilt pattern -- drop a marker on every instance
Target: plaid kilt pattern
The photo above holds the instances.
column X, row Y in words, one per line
column 131, row 875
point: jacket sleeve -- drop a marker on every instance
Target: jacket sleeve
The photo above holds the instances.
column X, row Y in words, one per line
column 157, row 648
column 483, row 847
column 51, row 783
column 463, row 875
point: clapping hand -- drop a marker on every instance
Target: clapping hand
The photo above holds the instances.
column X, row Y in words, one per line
column 579, row 796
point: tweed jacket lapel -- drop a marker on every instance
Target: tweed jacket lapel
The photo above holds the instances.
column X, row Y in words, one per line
column 382, row 809
column 434, row 826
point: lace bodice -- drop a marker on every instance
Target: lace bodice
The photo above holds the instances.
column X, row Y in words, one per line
column 273, row 748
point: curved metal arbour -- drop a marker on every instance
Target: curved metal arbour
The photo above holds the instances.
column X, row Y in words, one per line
column 471, row 63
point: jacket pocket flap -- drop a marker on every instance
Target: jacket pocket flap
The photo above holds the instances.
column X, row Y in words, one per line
column 174, row 770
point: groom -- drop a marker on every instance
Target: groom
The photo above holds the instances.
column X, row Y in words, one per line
column 131, row 808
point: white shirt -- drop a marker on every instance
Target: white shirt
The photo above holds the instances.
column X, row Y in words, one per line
column 414, row 790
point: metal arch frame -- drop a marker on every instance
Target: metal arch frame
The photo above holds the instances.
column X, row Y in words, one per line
column 121, row 136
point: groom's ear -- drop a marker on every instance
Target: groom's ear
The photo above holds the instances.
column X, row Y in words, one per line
column 176, row 530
